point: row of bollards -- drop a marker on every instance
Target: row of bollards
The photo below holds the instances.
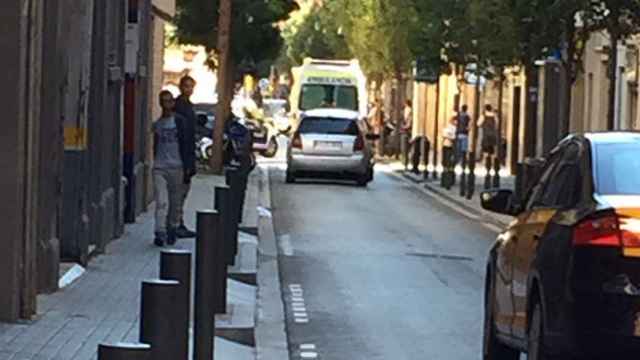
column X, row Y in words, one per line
column 166, row 303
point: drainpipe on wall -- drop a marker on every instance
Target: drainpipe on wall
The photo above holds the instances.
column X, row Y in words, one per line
column 620, row 93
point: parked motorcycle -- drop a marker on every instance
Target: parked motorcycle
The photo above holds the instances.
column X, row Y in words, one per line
column 265, row 137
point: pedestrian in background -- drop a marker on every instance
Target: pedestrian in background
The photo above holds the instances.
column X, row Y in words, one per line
column 488, row 123
column 462, row 133
column 170, row 169
column 184, row 108
column 405, row 132
column 449, row 153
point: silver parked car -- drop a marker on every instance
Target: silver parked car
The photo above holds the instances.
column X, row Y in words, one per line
column 331, row 142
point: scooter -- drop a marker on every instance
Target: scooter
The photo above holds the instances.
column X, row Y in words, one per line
column 265, row 137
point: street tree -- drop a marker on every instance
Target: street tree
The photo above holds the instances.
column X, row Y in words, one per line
column 254, row 37
column 620, row 19
column 313, row 32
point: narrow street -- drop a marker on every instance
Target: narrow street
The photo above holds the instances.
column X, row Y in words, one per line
column 385, row 272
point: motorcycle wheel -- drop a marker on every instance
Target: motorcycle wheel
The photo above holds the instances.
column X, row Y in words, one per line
column 272, row 150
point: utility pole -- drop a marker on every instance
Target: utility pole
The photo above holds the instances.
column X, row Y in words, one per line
column 224, row 79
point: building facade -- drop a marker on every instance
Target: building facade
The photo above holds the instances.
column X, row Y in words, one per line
column 74, row 142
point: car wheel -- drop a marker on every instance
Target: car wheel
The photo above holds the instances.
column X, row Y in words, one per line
column 535, row 338
column 290, row 178
column 493, row 349
column 363, row 180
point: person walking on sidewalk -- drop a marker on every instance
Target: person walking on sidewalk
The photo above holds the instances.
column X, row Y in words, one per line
column 184, row 108
column 488, row 123
column 170, row 170
column 462, row 133
column 405, row 133
column 448, row 154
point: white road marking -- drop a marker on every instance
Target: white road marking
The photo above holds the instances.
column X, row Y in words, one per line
column 309, row 355
column 298, row 306
column 285, row 245
column 307, row 347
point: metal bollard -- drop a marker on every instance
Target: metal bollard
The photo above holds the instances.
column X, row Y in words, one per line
column 497, row 164
column 232, row 179
column 226, row 245
column 426, row 150
column 224, row 204
column 463, row 176
column 176, row 265
column 204, row 315
column 124, row 351
column 471, row 178
column 488, row 167
column 158, row 318
column 243, row 181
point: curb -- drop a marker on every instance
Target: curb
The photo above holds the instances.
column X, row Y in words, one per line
column 434, row 189
column 271, row 336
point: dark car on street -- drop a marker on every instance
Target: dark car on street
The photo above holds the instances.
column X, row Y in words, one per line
column 563, row 279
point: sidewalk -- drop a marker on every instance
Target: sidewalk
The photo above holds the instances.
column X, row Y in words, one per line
column 103, row 304
column 453, row 195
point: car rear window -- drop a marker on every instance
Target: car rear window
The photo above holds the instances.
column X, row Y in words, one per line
column 333, row 126
column 617, row 169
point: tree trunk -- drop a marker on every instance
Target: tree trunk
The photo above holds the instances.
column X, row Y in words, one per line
column 499, row 154
column 224, row 77
column 613, row 75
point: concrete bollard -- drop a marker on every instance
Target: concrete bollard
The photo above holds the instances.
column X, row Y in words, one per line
column 176, row 265
column 158, row 318
column 208, row 224
column 124, row 351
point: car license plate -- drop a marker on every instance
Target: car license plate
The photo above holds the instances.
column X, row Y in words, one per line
column 328, row 145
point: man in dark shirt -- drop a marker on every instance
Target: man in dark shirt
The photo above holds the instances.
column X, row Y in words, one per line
column 184, row 108
column 462, row 132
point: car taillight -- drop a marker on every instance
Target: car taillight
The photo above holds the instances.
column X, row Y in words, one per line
column 358, row 145
column 603, row 230
column 296, row 143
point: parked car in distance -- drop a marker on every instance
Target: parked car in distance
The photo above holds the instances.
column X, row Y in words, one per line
column 331, row 142
column 563, row 279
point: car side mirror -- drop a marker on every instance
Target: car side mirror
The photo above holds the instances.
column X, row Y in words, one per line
column 373, row 137
column 500, row 201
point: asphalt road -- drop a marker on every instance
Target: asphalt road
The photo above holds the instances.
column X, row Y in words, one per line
column 384, row 272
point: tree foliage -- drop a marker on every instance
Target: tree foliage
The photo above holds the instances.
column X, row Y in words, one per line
column 255, row 33
column 313, row 32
